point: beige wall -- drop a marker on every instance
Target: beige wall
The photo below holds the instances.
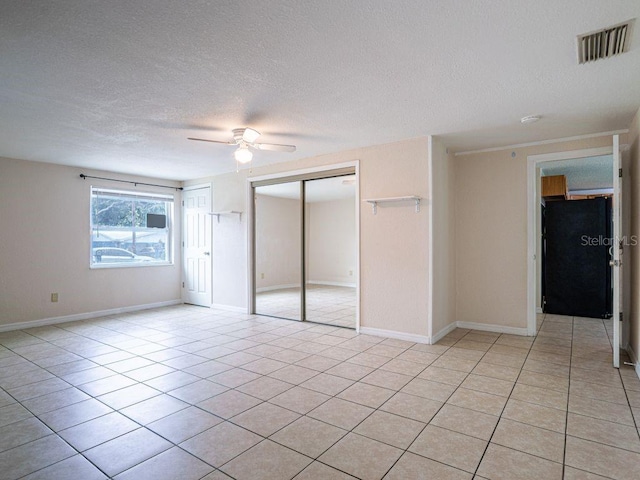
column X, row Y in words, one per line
column 393, row 253
column 634, row 229
column 443, row 207
column 331, row 242
column 45, row 248
column 491, row 232
column 278, row 236
column 229, row 246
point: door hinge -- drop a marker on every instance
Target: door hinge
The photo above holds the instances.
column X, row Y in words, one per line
column 621, row 316
column 620, row 172
column 183, row 203
column 182, row 284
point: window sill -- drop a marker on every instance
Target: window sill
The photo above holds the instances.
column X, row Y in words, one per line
column 98, row 266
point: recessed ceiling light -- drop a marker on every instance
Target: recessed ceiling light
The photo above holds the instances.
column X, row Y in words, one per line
column 530, row 119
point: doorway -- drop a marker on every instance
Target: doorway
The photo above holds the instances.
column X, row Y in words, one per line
column 535, row 164
column 305, row 242
column 575, row 235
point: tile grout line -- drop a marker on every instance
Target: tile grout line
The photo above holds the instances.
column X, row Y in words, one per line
column 306, row 415
column 336, row 397
column 378, row 368
column 566, row 418
column 475, row 473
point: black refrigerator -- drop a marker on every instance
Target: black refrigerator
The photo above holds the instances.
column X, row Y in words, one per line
column 576, row 255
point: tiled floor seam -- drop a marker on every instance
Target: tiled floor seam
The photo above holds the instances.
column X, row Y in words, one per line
column 356, row 426
column 475, row 473
column 118, row 436
column 435, row 414
column 566, row 418
column 404, row 451
column 78, row 452
column 413, row 376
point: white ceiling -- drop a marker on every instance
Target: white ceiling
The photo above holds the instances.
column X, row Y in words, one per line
column 591, row 173
column 120, row 85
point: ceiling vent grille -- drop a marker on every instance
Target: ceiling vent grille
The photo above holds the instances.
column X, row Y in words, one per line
column 604, row 43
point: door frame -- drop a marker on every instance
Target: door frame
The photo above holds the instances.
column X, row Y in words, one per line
column 285, row 177
column 182, row 249
column 533, row 197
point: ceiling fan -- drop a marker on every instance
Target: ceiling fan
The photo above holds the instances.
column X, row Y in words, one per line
column 245, row 138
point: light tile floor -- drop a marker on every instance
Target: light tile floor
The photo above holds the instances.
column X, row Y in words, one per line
column 330, row 305
column 191, row 393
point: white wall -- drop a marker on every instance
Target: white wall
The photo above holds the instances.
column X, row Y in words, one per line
column 45, row 248
column 443, row 237
column 331, row 242
column 278, row 236
column 393, row 253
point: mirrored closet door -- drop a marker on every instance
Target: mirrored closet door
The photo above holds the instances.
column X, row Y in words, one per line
column 305, row 244
column 278, row 250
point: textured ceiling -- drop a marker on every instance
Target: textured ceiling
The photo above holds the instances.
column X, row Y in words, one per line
column 589, row 173
column 120, row 85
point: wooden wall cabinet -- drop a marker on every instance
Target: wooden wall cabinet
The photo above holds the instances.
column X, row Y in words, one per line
column 554, row 187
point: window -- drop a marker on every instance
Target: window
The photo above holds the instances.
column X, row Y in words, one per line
column 130, row 228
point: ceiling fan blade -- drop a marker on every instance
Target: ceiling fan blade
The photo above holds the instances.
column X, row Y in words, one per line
column 250, row 135
column 212, row 141
column 274, row 147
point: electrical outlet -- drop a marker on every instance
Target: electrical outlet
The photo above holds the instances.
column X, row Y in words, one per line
column 54, row 297
column 262, row 276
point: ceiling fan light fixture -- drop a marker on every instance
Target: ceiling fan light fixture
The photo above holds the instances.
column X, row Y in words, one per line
column 250, row 135
column 243, row 154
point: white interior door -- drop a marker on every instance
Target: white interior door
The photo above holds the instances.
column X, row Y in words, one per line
column 617, row 245
column 197, row 246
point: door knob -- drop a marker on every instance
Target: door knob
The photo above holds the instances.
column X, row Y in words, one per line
column 207, row 253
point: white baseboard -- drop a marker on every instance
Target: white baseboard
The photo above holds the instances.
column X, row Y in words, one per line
column 539, row 310
column 442, row 333
column 277, row 287
column 85, row 316
column 229, row 308
column 331, row 284
column 634, row 359
column 487, row 327
column 409, row 337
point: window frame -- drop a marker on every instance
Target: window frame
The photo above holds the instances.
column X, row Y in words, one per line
column 169, row 199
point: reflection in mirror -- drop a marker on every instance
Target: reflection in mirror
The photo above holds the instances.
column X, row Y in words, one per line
column 330, row 251
column 278, row 254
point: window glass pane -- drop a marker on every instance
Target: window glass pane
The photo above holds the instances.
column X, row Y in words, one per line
column 119, row 232
column 111, row 212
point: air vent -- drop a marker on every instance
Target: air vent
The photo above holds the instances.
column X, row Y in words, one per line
column 604, row 43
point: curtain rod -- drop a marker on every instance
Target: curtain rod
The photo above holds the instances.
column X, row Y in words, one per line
column 84, row 177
